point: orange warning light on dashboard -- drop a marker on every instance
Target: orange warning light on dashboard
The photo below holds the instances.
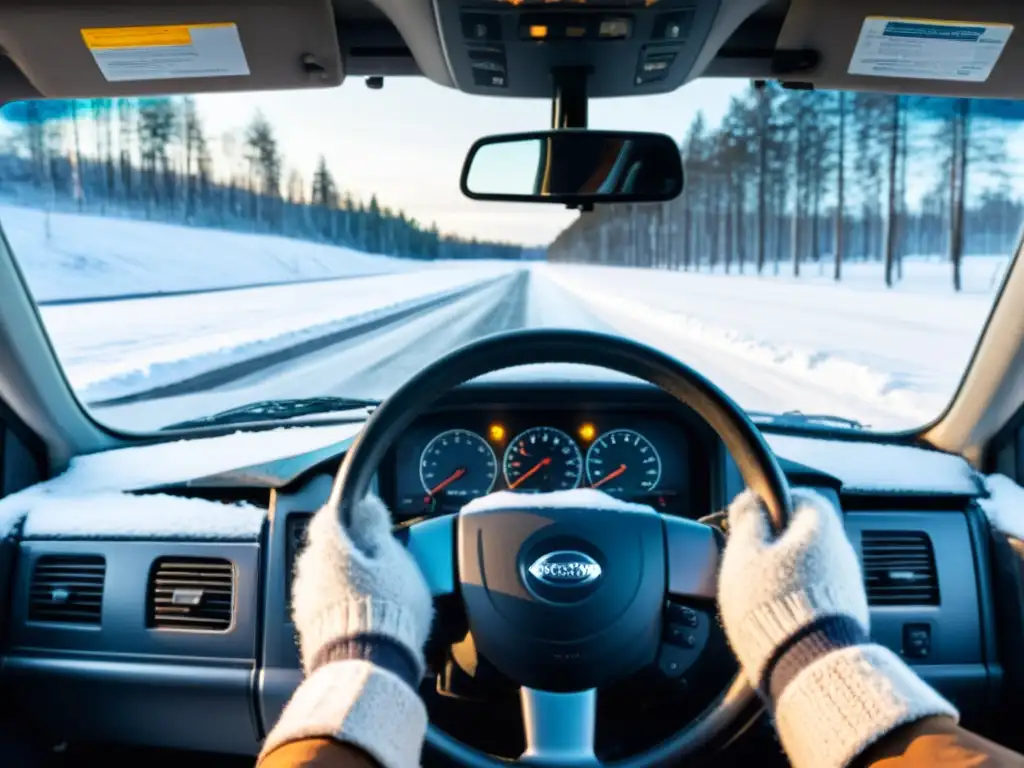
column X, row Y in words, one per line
column 587, row 432
column 538, row 31
column 496, row 432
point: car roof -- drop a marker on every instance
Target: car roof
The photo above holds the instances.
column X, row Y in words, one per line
column 53, row 49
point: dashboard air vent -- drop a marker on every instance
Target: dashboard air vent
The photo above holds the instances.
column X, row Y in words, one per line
column 191, row 593
column 67, row 589
column 899, row 568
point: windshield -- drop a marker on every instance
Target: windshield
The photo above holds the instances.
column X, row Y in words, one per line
column 832, row 254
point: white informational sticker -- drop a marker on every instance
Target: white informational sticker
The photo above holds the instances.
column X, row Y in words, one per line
column 167, row 52
column 929, row 49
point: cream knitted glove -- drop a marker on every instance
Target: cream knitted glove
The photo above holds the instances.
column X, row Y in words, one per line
column 363, row 613
column 796, row 615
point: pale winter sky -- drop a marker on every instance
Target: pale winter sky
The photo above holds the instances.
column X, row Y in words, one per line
column 407, row 141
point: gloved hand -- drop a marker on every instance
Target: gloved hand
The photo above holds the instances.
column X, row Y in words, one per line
column 796, row 614
column 363, row 611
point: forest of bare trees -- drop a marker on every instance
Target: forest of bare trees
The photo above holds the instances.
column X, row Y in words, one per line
column 150, row 158
column 792, row 178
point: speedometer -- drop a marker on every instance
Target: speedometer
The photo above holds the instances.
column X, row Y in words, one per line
column 543, row 459
column 459, row 465
column 623, row 462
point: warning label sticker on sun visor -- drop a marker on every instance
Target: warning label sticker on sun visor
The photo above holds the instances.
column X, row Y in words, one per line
column 929, row 49
column 167, row 52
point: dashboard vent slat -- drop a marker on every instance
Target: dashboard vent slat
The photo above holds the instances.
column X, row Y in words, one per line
column 191, row 593
column 899, row 568
column 67, row 589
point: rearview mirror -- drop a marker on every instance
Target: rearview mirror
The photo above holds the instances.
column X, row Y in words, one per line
column 574, row 167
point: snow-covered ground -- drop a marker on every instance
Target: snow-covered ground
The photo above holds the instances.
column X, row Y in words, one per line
column 888, row 357
column 110, row 349
column 65, row 256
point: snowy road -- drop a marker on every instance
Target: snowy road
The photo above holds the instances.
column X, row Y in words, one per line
column 319, row 319
column 772, row 346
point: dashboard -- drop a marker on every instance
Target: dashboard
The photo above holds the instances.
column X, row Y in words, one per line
column 450, row 458
column 119, row 668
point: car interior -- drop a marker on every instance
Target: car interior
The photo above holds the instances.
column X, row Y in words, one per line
column 145, row 577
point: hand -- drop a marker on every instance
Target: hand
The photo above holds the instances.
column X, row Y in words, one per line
column 363, row 611
column 796, row 614
column 359, row 583
column 769, row 588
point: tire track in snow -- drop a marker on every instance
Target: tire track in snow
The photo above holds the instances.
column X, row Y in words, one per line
column 233, row 372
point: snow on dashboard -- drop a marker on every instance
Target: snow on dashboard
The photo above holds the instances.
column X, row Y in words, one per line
column 880, row 467
column 112, row 516
column 93, row 486
column 1004, row 505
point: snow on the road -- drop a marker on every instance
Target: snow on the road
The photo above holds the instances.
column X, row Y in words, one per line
column 370, row 365
column 891, row 358
column 66, row 255
column 109, row 349
column 887, row 357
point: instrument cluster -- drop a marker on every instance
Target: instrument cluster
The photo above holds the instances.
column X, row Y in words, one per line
column 445, row 461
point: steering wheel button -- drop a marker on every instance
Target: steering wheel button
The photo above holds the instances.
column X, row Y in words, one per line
column 681, row 614
column 678, row 635
column 672, row 661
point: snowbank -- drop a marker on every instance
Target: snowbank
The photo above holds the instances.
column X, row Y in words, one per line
column 896, row 354
column 67, row 255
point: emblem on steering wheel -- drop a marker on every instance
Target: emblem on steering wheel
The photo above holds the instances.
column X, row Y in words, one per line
column 565, row 568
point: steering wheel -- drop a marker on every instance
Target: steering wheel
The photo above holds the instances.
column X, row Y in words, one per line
column 561, row 637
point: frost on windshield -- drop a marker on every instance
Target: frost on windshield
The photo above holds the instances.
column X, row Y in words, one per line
column 833, row 254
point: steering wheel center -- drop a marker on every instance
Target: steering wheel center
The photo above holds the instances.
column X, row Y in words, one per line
column 560, row 650
column 562, row 598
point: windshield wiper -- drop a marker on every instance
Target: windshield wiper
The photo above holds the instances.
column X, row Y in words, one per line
column 801, row 419
column 269, row 410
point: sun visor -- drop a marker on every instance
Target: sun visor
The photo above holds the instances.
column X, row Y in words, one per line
column 928, row 47
column 73, row 49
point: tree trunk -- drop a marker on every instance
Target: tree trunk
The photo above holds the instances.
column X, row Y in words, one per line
column 741, row 229
column 958, row 190
column 76, row 172
column 891, row 224
column 799, row 183
column 762, row 176
column 837, row 272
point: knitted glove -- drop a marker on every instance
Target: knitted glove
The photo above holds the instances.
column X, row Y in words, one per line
column 363, row 611
column 796, row 615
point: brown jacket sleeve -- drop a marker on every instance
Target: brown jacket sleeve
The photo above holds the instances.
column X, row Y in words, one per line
column 317, row 753
column 935, row 742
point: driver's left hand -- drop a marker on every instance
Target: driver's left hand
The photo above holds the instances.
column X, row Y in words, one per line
column 363, row 612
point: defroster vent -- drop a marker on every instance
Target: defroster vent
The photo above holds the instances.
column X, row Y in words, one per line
column 67, row 589
column 899, row 568
column 195, row 593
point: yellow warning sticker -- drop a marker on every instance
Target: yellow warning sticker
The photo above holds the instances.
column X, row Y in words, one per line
column 167, row 52
column 134, row 37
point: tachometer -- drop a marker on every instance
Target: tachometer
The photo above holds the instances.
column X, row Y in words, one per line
column 458, row 465
column 543, row 459
column 623, row 462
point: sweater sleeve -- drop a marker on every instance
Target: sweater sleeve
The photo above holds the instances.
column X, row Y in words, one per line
column 939, row 742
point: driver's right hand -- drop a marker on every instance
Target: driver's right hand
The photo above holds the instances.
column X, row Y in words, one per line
column 362, row 611
column 796, row 615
